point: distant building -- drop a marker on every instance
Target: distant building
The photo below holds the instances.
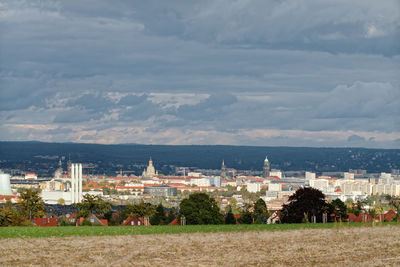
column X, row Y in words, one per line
column 5, row 187
column 150, row 171
column 266, row 168
column 276, row 173
column 30, row 176
column 215, row 181
column 161, row 191
column 274, row 187
column 134, row 221
column 348, row 176
column 253, row 187
column 385, row 178
column 223, row 170
column 310, row 175
column 320, row 184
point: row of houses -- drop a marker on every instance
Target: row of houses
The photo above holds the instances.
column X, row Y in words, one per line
column 389, row 216
column 94, row 220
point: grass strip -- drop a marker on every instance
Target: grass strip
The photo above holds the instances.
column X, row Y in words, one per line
column 66, row 231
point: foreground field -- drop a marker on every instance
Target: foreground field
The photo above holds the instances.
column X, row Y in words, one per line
column 31, row 232
column 356, row 246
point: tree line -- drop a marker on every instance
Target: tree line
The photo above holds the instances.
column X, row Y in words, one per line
column 305, row 205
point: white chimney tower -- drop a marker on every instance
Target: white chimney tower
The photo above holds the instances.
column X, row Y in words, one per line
column 76, row 183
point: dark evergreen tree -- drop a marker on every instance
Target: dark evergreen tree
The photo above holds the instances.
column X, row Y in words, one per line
column 159, row 217
column 230, row 218
column 246, row 216
column 199, row 208
column 303, row 204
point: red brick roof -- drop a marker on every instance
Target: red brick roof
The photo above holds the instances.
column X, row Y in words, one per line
column 45, row 221
column 174, row 222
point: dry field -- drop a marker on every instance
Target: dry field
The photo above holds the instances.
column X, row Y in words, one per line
column 364, row 246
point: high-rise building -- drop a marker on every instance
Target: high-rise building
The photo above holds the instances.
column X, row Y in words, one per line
column 223, row 170
column 266, row 168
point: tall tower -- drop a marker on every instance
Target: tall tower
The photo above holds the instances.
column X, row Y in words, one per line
column 266, row 168
column 223, row 170
column 76, row 182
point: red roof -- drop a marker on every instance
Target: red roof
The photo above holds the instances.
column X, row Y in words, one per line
column 104, row 222
column 45, row 221
column 174, row 222
column 134, row 221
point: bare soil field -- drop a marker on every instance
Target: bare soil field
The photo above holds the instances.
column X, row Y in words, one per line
column 361, row 246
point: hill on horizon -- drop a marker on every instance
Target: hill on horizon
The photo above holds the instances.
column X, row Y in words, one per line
column 125, row 156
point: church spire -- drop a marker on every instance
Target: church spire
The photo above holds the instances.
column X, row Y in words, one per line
column 266, row 168
column 223, row 170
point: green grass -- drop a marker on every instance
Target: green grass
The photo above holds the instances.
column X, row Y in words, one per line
column 34, row 232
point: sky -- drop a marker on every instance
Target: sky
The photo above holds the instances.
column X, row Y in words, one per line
column 178, row 72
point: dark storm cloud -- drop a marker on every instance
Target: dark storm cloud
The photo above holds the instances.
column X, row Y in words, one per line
column 210, row 109
column 138, row 108
column 355, row 139
column 132, row 100
column 77, row 116
column 92, row 102
column 285, row 65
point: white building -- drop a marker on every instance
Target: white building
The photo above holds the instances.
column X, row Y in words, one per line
column 320, row 184
column 276, row 173
column 195, row 174
column 348, row 176
column 253, row 187
column 386, row 178
column 310, row 175
column 30, row 176
column 274, row 187
column 200, row 181
column 5, row 186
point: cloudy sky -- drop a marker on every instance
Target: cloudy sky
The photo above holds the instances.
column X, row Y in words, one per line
column 241, row 72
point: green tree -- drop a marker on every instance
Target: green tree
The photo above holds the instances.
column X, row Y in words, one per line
column 61, row 201
column 139, row 210
column 234, row 207
column 305, row 202
column 199, row 208
column 246, row 216
column 92, row 205
column 9, row 216
column 260, row 213
column 159, row 217
column 339, row 209
column 395, row 204
column 31, row 204
column 230, row 218
column 357, row 208
column 373, row 213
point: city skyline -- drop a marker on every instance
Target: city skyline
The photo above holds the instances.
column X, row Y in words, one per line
column 264, row 73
